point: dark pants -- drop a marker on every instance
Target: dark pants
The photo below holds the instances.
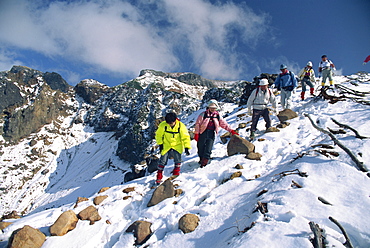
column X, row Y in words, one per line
column 205, row 143
column 256, row 115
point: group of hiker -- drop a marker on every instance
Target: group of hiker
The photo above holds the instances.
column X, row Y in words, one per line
column 173, row 138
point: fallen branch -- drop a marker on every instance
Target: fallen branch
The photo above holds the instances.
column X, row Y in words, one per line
column 326, row 146
column 324, row 201
column 319, row 239
column 359, row 165
column 327, row 153
column 351, row 91
column 350, row 128
column 295, row 172
column 348, row 243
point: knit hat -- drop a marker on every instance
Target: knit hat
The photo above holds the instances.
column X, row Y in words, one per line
column 282, row 66
column 213, row 103
column 264, row 81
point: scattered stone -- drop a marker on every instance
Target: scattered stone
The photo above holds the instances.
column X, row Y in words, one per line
column 126, row 197
column 178, row 192
column 225, row 137
column 286, row 114
column 261, row 139
column 108, row 222
column 80, row 199
column 44, row 172
column 254, row 156
column 26, row 237
column 33, row 142
column 239, row 145
column 162, row 192
column 4, row 225
column 103, row 189
column 66, row 222
column 239, row 167
column 283, row 124
column 236, row 174
column 242, row 125
column 90, row 213
column 99, row 199
column 12, row 215
column 188, row 223
column 141, row 230
column 128, row 190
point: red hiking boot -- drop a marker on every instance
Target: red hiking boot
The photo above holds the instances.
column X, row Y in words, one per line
column 203, row 162
column 176, row 170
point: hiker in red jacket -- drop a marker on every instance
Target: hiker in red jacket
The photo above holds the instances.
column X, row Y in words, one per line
column 206, row 126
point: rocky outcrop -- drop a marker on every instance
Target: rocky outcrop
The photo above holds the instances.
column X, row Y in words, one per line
column 286, row 114
column 26, row 237
column 90, row 90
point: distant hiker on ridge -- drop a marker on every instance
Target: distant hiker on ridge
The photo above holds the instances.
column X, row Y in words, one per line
column 286, row 82
column 172, row 136
column 307, row 76
column 325, row 68
column 206, row 126
column 259, row 99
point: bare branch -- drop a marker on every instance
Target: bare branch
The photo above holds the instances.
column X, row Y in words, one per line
column 348, row 243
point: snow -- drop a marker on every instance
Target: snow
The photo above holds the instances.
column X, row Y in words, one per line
column 226, row 208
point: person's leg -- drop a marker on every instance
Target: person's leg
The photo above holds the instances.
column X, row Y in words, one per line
column 210, row 138
column 177, row 160
column 162, row 162
column 283, row 98
column 201, row 144
column 266, row 117
column 255, row 117
column 325, row 74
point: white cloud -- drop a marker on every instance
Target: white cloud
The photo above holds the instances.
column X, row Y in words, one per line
column 118, row 37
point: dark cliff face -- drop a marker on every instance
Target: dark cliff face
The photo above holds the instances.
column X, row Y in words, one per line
column 28, row 102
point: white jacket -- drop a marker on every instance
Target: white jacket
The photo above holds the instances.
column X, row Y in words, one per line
column 302, row 73
column 259, row 99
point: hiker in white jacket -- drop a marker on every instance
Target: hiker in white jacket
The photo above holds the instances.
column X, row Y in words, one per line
column 258, row 100
column 307, row 76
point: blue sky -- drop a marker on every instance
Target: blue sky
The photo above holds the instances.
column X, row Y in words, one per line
column 112, row 40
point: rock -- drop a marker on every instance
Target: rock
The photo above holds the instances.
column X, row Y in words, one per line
column 178, row 192
column 225, row 137
column 128, row 190
column 80, row 199
column 103, row 189
column 33, row 142
column 141, row 230
column 90, row 213
column 90, row 90
column 162, row 192
column 26, row 237
column 4, row 225
column 188, row 223
column 12, row 215
column 254, row 156
column 99, row 199
column 242, row 125
column 286, row 114
column 66, row 222
column 236, row 174
column 283, row 124
column 238, row 145
column 126, row 197
column 239, row 166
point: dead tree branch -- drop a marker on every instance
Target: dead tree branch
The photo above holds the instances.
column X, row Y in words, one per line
column 292, row 172
column 350, row 128
column 348, row 243
column 360, row 165
column 319, row 239
column 351, row 91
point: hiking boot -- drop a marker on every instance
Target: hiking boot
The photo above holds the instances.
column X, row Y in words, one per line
column 302, row 95
column 312, row 91
column 204, row 162
column 252, row 136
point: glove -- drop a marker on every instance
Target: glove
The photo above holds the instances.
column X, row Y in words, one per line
column 249, row 111
column 196, row 137
column 234, row 133
column 276, row 111
column 187, row 151
column 161, row 147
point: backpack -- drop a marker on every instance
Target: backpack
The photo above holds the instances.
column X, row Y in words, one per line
column 258, row 88
column 207, row 116
column 173, row 133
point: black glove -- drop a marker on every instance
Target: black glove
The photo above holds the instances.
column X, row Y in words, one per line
column 187, row 151
column 161, row 147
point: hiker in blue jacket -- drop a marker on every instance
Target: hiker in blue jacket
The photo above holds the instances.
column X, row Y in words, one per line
column 286, row 82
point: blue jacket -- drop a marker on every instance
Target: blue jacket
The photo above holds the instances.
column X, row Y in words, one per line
column 285, row 80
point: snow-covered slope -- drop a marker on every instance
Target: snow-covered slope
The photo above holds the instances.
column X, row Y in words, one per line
column 226, row 208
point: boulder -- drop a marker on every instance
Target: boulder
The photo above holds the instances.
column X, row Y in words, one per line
column 128, row 190
column 90, row 213
column 80, row 199
column 162, row 192
column 188, row 223
column 254, row 156
column 99, row 199
column 286, row 114
column 239, row 145
column 66, row 222
column 141, row 230
column 236, row 174
column 26, row 237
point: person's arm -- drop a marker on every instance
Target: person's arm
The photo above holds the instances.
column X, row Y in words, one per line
column 185, row 136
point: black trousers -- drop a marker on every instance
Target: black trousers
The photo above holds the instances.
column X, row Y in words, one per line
column 205, row 143
column 256, row 115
